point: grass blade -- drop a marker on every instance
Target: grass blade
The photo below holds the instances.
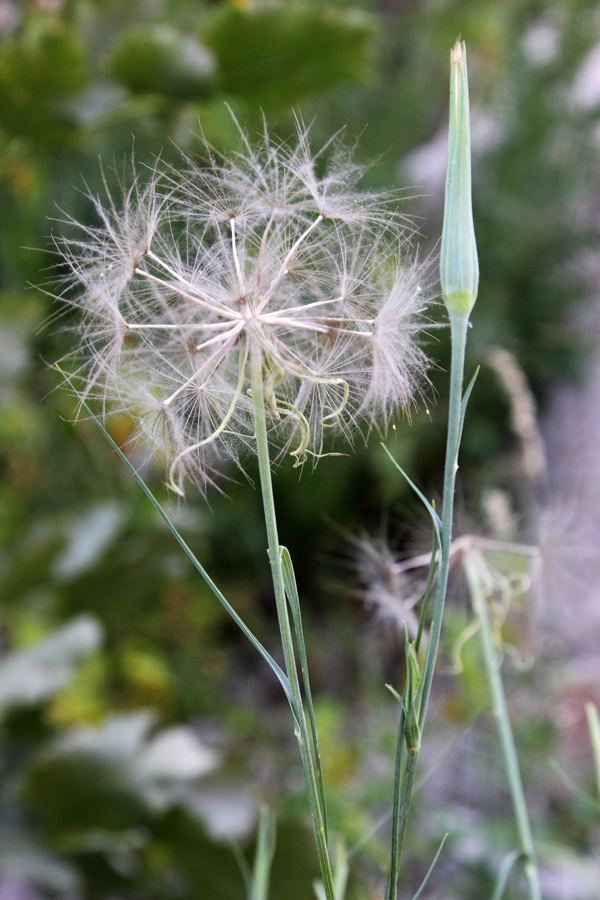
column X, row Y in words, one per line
column 437, row 522
column 504, row 873
column 426, row 595
column 291, row 590
column 430, row 869
column 465, row 401
column 341, row 869
column 396, row 695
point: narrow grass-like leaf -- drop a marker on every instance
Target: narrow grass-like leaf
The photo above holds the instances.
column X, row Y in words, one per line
column 437, row 522
column 465, row 402
column 263, row 857
column 427, row 593
column 291, row 590
column 281, row 676
column 243, row 867
column 504, row 873
column 341, row 870
column 319, row 890
column 573, row 787
column 396, row 695
column 430, row 869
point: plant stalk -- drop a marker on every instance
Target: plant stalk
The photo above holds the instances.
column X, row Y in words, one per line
column 302, row 732
column 473, row 568
column 458, row 324
column 458, row 328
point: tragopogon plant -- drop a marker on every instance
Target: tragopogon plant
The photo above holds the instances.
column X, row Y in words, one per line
column 264, row 299
column 249, row 300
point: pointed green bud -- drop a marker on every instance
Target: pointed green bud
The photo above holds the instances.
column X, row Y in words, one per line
column 459, row 268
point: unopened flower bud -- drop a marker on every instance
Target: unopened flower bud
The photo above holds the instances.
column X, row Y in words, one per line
column 459, row 268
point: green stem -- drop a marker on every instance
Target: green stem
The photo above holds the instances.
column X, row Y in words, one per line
column 409, row 766
column 264, row 466
column 398, row 819
column 473, row 568
column 458, row 325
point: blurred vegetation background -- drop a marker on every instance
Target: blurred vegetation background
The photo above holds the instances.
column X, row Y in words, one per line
column 139, row 732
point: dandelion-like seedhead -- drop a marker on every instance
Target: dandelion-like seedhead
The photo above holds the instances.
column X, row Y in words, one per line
column 388, row 588
column 507, row 573
column 273, row 255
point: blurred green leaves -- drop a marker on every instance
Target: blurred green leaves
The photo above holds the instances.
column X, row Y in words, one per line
column 77, row 80
column 41, row 69
column 162, row 60
column 277, row 54
column 30, row 676
column 112, row 776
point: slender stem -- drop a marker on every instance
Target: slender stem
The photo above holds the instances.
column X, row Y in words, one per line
column 458, row 324
column 264, row 465
column 406, row 764
column 397, row 831
column 473, row 567
column 411, row 768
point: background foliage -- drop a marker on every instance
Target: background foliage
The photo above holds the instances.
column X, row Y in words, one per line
column 102, row 620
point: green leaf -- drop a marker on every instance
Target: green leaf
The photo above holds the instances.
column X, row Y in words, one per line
column 465, row 401
column 291, row 591
column 427, row 592
column 430, row 869
column 437, row 522
column 278, row 54
column 396, row 694
column 161, row 60
column 504, row 873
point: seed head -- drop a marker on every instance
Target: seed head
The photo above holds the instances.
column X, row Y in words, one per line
column 273, row 252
